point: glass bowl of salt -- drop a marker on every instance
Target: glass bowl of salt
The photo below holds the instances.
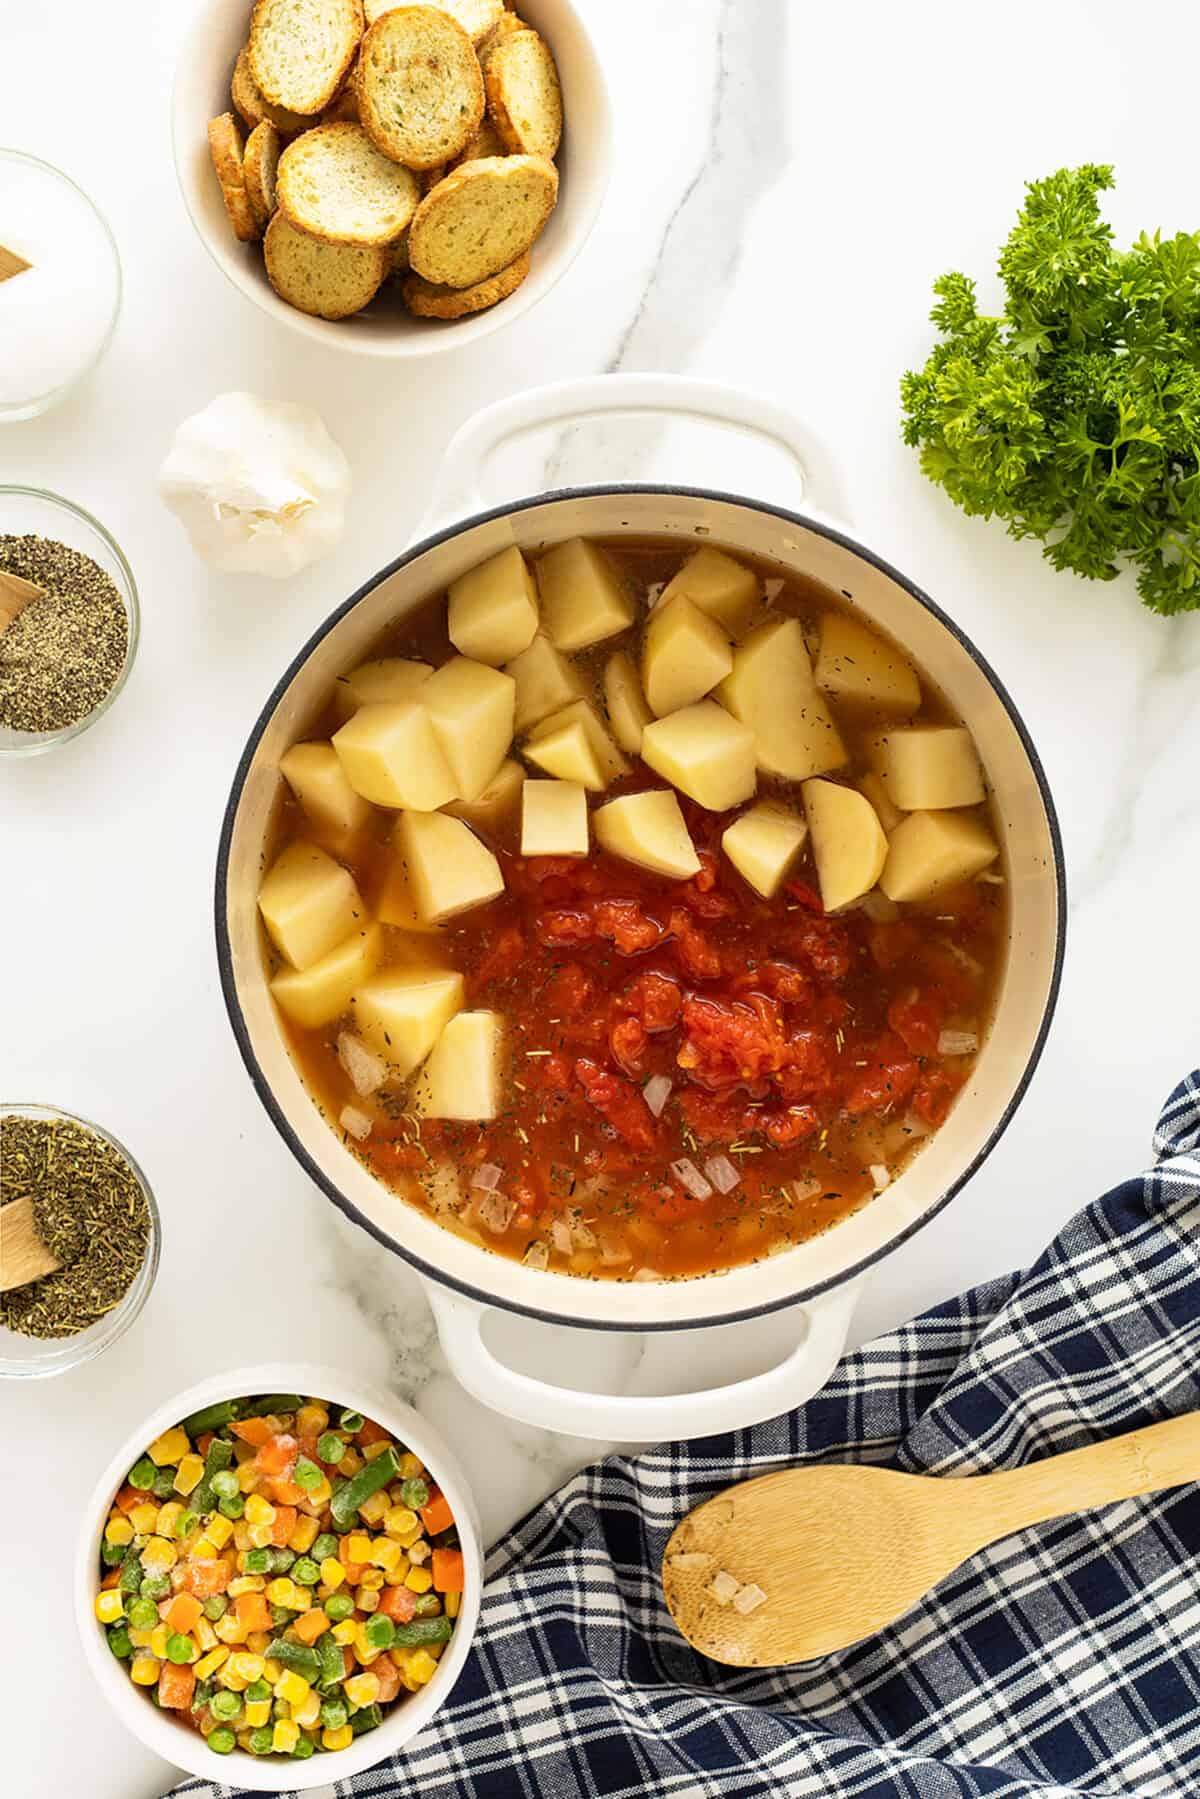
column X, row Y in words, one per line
column 60, row 286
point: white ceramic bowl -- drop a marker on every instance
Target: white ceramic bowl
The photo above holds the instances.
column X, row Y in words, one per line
column 385, row 328
column 175, row 1742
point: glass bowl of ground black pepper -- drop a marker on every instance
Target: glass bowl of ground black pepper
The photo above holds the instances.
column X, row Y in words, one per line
column 69, row 1185
column 68, row 620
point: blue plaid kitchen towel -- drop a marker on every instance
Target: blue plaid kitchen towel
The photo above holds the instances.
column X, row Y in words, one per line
column 1062, row 1662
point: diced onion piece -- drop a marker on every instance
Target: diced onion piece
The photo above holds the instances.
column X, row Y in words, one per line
column 722, row 1173
column 560, row 1236
column 958, row 1043
column 748, row 1598
column 366, row 1071
column 915, row 1125
column 690, row 1178
column 536, row 1256
column 808, row 1188
column 723, row 1586
column 487, row 1175
column 881, row 1176
column 581, row 1236
column 444, row 1189
column 614, row 1253
column 495, row 1212
column 691, row 1558
column 657, row 1092
column 355, row 1123
column 647, row 1274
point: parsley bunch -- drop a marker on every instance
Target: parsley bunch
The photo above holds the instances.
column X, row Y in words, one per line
column 1075, row 415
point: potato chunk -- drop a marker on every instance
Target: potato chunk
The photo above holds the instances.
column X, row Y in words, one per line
column 566, row 754
column 491, row 810
column 461, row 1079
column 386, row 681
column 545, row 680
column 318, row 780
column 449, row 870
column 771, row 689
column 397, row 907
column 471, row 706
column 581, row 712
column 927, row 767
column 318, row 994
column 763, row 844
column 704, row 752
column 648, row 830
column 888, row 814
column 726, row 590
column 309, row 904
column 583, row 599
column 392, row 757
column 861, row 669
column 684, row 655
column 554, row 819
column 930, row 850
column 849, row 846
column 493, row 609
column 628, row 713
column 401, row 1014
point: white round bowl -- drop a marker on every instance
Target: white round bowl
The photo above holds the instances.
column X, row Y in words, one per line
column 201, row 93
column 175, row 1742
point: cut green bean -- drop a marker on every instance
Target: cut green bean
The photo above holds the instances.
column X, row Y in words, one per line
column 130, row 1578
column 334, row 1713
column 423, row 1630
column 211, row 1417
column 296, row 1656
column 278, row 1402
column 215, row 1606
column 331, row 1663
column 369, row 1479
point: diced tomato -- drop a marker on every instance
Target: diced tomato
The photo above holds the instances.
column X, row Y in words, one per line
column 655, row 999
column 398, row 1603
column 730, row 1045
column 501, row 959
column 630, row 929
column 782, row 980
column 560, row 928
column 712, row 1117
column 792, row 1126
column 917, row 1018
column 176, row 1685
column 824, row 943
column 627, row 1040
column 252, row 1430
column 436, row 1515
column 801, row 894
column 892, row 942
column 277, row 1455
column 569, row 992
column 697, row 956
column 886, row 1081
column 702, row 894
column 204, row 1578
column 448, row 1570
column 617, row 1101
column 935, row 1091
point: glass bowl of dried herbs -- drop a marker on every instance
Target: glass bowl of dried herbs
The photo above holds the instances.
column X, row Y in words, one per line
column 73, row 1202
column 69, row 620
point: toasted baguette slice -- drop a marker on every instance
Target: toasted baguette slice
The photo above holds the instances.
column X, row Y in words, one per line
column 255, row 107
column 523, row 95
column 430, row 302
column 486, row 142
column 225, row 148
column 329, row 281
column 420, row 87
column 300, row 49
column 478, row 18
column 259, row 163
column 344, row 105
column 481, row 218
column 334, row 184
column 398, row 263
column 507, row 23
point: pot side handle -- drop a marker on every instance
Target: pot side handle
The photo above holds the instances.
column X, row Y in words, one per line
column 457, row 492
column 630, row 1419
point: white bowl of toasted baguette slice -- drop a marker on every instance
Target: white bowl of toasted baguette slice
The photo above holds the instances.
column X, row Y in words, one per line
column 314, row 237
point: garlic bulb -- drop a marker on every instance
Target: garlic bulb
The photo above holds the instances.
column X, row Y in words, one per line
column 259, row 485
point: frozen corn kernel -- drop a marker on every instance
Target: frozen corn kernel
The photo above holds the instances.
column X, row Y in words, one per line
column 398, row 1520
column 309, row 1713
column 204, row 1549
column 159, row 1556
column 332, row 1573
column 386, row 1554
column 362, row 1689
column 110, row 1605
column 189, row 1474
column 343, row 1633
column 208, row 1664
column 140, row 1638
column 272, row 1670
column 158, row 1641
column 419, row 1552
column 453, row 1604
column 144, row 1670
column 422, row 1667
column 170, row 1447
column 372, row 1581
column 168, row 1516
column 358, row 1548
column 204, row 1634
column 257, row 1713
column 411, row 1465
column 260, row 1510
column 304, row 1534
column 293, row 1687
column 260, row 1535
column 229, row 1630
column 119, row 1531
column 374, row 1449
column 245, row 1583
column 281, row 1592
column 247, row 1478
column 218, row 1530
column 373, row 1509
column 368, row 1599
column 143, row 1518
column 258, row 1642
column 248, row 1665
column 337, row 1739
column 311, row 1419
column 287, row 1735
column 418, row 1580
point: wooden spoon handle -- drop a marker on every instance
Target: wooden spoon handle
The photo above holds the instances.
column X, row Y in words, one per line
column 15, row 595
column 23, row 1255
column 1142, row 1461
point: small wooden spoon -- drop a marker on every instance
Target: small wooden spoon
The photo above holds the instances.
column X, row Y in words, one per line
column 843, row 1551
column 11, row 264
column 15, row 595
column 23, row 1255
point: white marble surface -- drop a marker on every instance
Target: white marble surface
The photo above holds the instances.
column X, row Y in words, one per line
column 788, row 181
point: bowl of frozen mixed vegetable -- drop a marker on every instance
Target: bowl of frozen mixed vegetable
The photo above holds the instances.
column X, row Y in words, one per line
column 279, row 1577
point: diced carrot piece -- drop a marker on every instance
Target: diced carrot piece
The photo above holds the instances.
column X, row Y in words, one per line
column 388, row 1676
column 285, row 1492
column 277, row 1455
column 310, row 1625
column 204, row 1442
column 448, row 1570
column 175, row 1687
column 253, row 1612
column 252, row 1430
column 354, row 1572
column 111, row 1578
column 307, row 1445
column 348, row 1659
column 284, row 1525
column 398, row 1603
column 203, row 1579
column 437, row 1516
column 344, row 1551
column 372, row 1433
column 128, row 1497
column 185, row 1608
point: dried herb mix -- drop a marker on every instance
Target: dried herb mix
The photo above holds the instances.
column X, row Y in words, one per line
column 90, row 1212
column 62, row 654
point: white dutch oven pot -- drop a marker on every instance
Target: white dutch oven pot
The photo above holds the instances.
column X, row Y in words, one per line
column 821, row 1278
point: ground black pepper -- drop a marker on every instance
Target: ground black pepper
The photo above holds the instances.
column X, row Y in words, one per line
column 90, row 1212
column 63, row 653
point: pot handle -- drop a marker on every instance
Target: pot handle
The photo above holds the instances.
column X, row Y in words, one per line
column 457, row 492
column 631, row 1419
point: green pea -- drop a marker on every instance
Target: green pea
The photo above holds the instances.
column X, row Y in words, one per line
column 215, row 1606
column 304, row 1748
column 282, row 1560
column 180, row 1649
column 164, row 1483
column 119, row 1643
column 334, row 1713
column 370, row 1717
column 428, row 1605
column 281, row 1617
column 222, row 1740
column 143, row 1614
column 330, row 1447
column 258, row 1561
column 306, row 1572
column 155, row 1586
column 262, row 1741
column 415, row 1493
column 257, row 1691
column 351, row 1421
column 185, row 1524
column 225, row 1483
column 202, row 1692
column 306, row 1474
column 380, row 1632
column 226, row 1706
column 325, row 1546
column 142, row 1475
column 233, row 1507
column 112, row 1554
column 338, row 1606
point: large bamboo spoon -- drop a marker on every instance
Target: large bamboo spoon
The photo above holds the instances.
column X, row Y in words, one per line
column 23, row 1255
column 840, row 1552
column 15, row 595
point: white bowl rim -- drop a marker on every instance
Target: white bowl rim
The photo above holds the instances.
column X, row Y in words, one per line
column 548, row 1314
column 183, row 1747
column 333, row 333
